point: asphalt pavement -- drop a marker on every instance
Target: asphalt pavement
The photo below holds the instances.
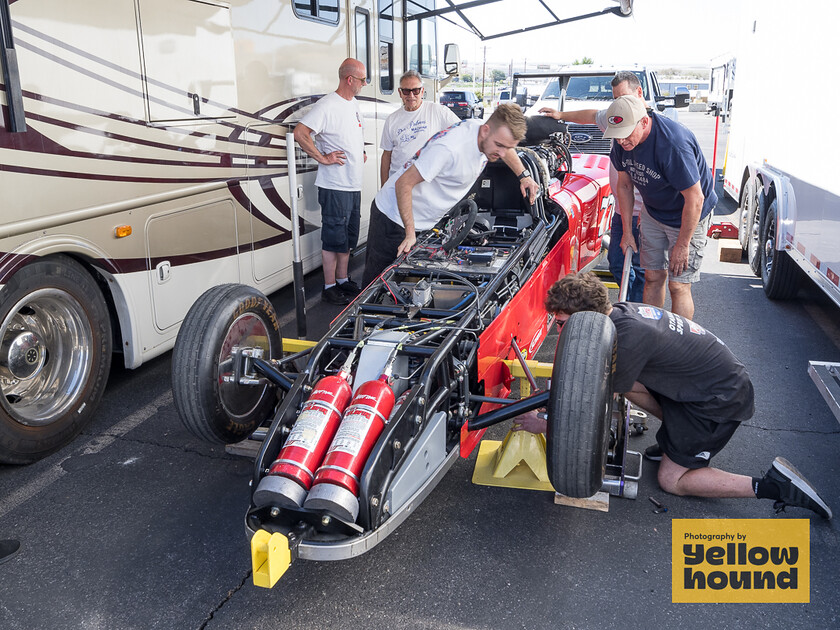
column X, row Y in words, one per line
column 138, row 524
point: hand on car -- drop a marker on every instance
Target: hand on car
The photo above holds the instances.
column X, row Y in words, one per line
column 406, row 245
column 548, row 111
column 530, row 422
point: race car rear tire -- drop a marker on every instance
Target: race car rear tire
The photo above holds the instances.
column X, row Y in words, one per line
column 55, row 357
column 780, row 276
column 212, row 407
column 580, row 405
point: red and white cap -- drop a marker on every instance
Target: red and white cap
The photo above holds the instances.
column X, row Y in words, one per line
column 623, row 114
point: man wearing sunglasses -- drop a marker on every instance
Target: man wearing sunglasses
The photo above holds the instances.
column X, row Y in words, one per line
column 407, row 129
column 339, row 148
column 685, row 376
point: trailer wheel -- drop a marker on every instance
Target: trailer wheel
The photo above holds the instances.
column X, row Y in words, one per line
column 580, row 405
column 55, row 355
column 754, row 239
column 779, row 274
column 210, row 405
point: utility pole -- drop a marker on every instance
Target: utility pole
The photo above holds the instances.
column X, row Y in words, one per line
column 483, row 70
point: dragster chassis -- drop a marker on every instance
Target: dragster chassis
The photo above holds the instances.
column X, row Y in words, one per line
column 441, row 322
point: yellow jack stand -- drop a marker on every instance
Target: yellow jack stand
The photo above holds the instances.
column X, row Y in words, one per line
column 517, row 462
column 270, row 557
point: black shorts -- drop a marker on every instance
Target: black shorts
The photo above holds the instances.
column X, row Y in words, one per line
column 340, row 218
column 689, row 438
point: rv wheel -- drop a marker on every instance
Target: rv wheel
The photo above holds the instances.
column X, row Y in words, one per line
column 211, row 405
column 55, row 354
column 580, row 405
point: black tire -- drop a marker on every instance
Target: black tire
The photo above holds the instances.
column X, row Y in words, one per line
column 213, row 409
column 754, row 229
column 55, row 356
column 780, row 276
column 580, row 405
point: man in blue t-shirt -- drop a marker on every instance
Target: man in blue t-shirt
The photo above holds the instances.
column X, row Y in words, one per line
column 662, row 159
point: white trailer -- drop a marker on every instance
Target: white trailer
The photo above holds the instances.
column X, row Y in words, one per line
column 782, row 159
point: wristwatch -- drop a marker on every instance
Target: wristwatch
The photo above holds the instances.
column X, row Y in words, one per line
column 524, row 174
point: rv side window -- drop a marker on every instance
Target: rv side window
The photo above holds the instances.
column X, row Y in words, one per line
column 318, row 10
column 386, row 45
column 421, row 38
column 363, row 39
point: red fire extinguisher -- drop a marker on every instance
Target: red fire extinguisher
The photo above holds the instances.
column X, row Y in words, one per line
column 336, row 485
column 292, row 473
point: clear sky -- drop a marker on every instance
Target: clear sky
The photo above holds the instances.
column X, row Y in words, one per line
column 660, row 32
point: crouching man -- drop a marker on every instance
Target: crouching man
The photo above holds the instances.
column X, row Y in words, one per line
column 687, row 377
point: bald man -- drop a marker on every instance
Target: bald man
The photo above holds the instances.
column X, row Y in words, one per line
column 331, row 133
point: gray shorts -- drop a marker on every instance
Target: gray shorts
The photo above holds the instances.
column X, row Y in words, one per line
column 657, row 239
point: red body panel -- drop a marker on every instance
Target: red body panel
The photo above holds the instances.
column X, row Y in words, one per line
column 313, row 431
column 587, row 200
column 361, row 426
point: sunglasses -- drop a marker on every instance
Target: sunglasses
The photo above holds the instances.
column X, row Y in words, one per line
column 359, row 79
column 407, row 91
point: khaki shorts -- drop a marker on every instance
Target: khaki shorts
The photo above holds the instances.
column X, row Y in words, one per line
column 657, row 240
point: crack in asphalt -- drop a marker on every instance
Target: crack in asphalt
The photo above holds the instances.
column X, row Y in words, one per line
column 813, row 432
column 224, row 601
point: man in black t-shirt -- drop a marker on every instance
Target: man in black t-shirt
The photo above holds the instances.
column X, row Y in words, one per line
column 684, row 375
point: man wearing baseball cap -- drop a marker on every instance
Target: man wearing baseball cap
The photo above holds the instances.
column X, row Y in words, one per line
column 663, row 160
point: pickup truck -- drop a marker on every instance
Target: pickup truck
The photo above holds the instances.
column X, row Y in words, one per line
column 588, row 87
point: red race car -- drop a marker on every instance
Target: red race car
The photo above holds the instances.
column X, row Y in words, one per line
column 361, row 427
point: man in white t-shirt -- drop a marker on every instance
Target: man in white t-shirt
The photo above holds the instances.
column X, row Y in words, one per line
column 418, row 194
column 407, row 129
column 339, row 149
column 623, row 83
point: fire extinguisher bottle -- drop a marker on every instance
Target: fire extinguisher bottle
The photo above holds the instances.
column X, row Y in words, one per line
column 292, row 473
column 336, row 485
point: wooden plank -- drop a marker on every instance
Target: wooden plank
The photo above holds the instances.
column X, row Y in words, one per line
column 600, row 501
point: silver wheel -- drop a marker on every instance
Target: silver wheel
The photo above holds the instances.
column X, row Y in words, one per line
column 246, row 331
column 55, row 355
column 45, row 347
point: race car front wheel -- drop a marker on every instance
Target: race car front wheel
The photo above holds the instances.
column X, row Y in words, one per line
column 211, row 404
column 580, row 405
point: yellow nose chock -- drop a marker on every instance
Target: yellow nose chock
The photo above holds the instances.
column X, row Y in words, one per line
column 270, row 557
column 517, row 462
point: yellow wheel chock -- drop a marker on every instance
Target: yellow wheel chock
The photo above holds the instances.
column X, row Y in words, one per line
column 270, row 557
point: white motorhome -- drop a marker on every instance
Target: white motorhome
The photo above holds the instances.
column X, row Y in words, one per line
column 572, row 88
column 784, row 174
column 143, row 160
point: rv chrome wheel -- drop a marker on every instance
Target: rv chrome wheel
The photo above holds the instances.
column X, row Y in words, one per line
column 45, row 344
column 55, row 354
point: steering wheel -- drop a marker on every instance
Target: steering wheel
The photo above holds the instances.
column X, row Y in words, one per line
column 459, row 222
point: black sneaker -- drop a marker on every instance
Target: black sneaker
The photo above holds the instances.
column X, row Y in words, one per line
column 653, row 453
column 794, row 489
column 334, row 295
column 349, row 288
